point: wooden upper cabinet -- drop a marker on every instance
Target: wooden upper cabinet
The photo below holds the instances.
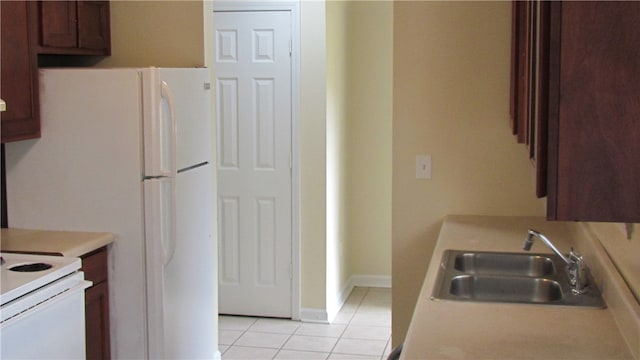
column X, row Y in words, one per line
column 529, row 82
column 594, row 112
column 94, row 30
column 521, row 62
column 74, row 27
column 575, row 102
column 58, row 24
column 19, row 85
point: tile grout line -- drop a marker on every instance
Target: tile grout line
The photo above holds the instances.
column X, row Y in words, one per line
column 244, row 331
column 348, row 323
column 358, row 306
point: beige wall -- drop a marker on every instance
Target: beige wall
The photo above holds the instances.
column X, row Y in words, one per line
column 358, row 135
column 313, row 108
column 624, row 249
column 156, row 33
column 353, row 236
column 450, row 100
column 369, row 98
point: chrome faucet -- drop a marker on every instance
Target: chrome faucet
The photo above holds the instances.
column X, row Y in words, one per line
column 575, row 264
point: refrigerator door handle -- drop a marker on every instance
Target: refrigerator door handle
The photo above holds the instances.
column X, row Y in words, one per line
column 160, row 246
column 160, row 222
column 169, row 247
column 165, row 92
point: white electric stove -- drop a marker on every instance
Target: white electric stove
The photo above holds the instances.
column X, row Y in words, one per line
column 41, row 307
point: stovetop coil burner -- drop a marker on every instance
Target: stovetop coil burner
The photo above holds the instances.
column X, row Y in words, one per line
column 32, row 267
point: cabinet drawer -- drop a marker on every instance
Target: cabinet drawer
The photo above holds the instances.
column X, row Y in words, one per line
column 95, row 267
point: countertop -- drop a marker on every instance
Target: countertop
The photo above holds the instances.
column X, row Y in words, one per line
column 468, row 330
column 65, row 243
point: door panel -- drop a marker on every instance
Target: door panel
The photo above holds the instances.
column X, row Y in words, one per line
column 253, row 102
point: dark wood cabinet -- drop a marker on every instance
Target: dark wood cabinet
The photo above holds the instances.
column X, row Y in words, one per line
column 19, row 73
column 521, row 63
column 595, row 111
column 95, row 268
column 578, row 107
column 73, row 27
column 529, row 83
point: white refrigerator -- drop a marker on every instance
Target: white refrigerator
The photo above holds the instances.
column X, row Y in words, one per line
column 129, row 151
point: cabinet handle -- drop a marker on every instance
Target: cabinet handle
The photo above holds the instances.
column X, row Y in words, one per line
column 3, row 105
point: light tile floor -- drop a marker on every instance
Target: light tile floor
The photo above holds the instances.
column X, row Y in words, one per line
column 361, row 330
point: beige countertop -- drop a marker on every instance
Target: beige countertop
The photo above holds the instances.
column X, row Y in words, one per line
column 472, row 330
column 66, row 243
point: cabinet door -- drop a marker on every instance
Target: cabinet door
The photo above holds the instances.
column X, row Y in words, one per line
column 58, row 24
column 594, row 112
column 74, row 27
column 524, row 56
column 540, row 99
column 529, row 85
column 93, row 26
column 97, row 330
column 97, row 321
column 19, row 67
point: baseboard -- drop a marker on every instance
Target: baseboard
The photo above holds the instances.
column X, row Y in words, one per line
column 314, row 315
column 326, row 316
column 334, row 309
column 381, row 281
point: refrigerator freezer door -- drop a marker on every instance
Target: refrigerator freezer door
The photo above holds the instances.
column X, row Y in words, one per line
column 192, row 99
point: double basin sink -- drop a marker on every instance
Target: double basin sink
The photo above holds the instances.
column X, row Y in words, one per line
column 511, row 278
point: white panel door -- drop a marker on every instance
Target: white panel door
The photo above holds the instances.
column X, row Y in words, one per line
column 253, row 104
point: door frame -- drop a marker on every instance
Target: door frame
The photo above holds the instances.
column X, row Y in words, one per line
column 293, row 8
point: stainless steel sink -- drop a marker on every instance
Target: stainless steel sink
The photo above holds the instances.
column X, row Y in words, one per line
column 505, row 288
column 505, row 264
column 511, row 278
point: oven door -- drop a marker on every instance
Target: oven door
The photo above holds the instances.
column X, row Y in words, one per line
column 46, row 323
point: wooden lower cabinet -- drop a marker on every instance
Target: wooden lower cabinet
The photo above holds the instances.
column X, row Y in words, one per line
column 95, row 270
column 97, row 321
